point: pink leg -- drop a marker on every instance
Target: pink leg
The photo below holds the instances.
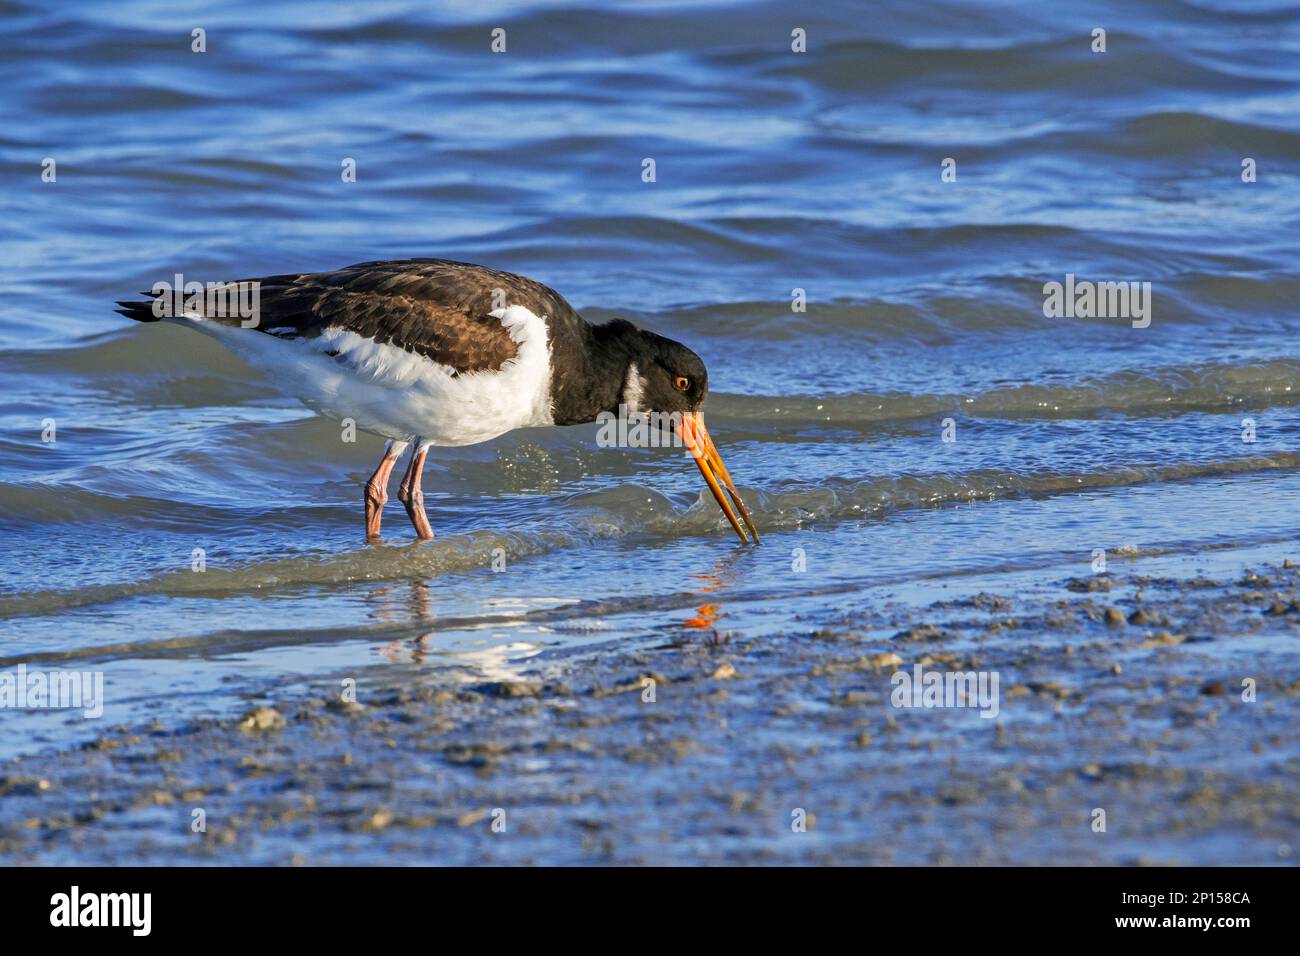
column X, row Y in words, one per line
column 377, row 488
column 412, row 496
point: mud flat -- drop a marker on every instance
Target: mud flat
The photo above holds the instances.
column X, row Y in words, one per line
column 1120, row 693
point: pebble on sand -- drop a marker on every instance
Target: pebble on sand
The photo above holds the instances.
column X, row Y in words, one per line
column 261, row 719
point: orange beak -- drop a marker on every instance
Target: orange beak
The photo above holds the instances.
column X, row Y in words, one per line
column 700, row 445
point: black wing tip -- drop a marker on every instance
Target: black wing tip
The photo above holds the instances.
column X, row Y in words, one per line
column 140, row 311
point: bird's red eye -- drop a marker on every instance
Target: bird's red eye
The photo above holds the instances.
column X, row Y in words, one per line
column 681, row 383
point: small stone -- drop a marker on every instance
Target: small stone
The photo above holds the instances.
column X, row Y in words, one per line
column 512, row 688
column 23, row 786
column 261, row 720
column 1085, row 585
column 1163, row 639
column 851, row 698
column 923, row 632
column 470, row 817
column 340, row 706
column 723, row 672
column 1114, row 617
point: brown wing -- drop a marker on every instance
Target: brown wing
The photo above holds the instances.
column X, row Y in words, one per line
column 434, row 307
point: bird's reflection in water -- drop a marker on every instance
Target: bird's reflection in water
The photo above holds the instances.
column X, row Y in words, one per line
column 402, row 601
column 405, row 602
column 413, row 603
column 703, row 618
column 713, row 582
column 498, row 662
column 503, row 662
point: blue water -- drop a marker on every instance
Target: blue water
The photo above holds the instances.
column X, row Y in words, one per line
column 775, row 171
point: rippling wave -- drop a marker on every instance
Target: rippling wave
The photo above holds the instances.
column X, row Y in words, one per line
column 627, row 511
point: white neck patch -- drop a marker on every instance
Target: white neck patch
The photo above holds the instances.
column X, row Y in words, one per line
column 633, row 388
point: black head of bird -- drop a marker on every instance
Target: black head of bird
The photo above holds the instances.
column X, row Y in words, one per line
column 665, row 378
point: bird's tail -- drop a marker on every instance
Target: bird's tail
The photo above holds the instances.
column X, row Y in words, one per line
column 225, row 303
column 140, row 311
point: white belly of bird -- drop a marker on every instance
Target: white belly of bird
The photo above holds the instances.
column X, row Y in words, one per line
column 402, row 395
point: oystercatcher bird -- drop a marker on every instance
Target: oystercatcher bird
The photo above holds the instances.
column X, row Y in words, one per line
column 432, row 352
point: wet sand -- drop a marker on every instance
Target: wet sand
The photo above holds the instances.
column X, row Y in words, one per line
column 1119, row 691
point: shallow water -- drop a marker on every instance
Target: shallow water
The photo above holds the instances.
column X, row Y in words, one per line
column 775, row 172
